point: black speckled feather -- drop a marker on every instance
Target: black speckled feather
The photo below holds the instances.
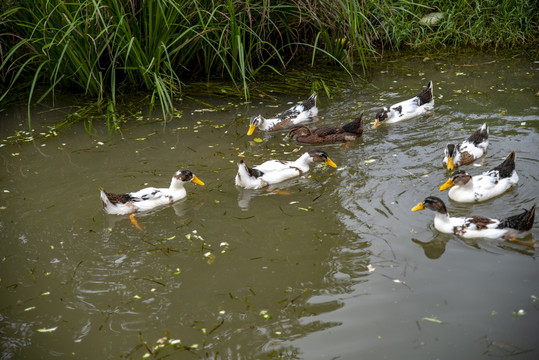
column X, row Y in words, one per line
column 119, row 198
column 480, row 221
column 479, row 136
column 254, row 172
column 425, row 95
column 520, row 222
column 506, row 168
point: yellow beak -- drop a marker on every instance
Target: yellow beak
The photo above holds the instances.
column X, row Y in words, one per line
column 251, row 129
column 450, row 165
column 418, row 207
column 197, row 181
column 446, row 185
column 376, row 124
column 331, row 163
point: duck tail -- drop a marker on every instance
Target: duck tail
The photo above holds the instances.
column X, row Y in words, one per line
column 519, row 222
column 425, row 95
column 355, row 127
column 484, row 128
column 479, row 135
column 506, row 168
column 105, row 202
column 310, row 102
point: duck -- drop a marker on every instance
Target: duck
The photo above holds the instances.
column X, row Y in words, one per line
column 295, row 115
column 420, row 104
column 477, row 226
column 327, row 134
column 465, row 188
column 276, row 171
column 466, row 152
column 148, row 198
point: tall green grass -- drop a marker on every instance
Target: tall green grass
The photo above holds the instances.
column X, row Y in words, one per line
column 108, row 48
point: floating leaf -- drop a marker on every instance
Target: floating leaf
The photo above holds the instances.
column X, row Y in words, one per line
column 30, row 308
column 43, row 330
column 432, row 319
column 258, row 140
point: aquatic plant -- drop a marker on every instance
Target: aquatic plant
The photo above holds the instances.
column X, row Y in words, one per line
column 107, row 48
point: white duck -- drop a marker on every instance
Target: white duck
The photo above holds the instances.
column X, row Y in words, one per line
column 466, row 152
column 465, row 188
column 275, row 171
column 478, row 226
column 295, row 115
column 148, row 198
column 420, row 104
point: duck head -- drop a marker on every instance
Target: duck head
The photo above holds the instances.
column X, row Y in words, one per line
column 183, row 176
column 255, row 121
column 459, row 177
column 321, row 156
column 433, row 203
column 450, row 152
column 380, row 116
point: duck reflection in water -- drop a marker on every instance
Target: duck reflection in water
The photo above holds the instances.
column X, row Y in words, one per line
column 183, row 209
column 245, row 195
column 435, row 248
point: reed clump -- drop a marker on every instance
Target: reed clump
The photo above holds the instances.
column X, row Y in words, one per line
column 106, row 48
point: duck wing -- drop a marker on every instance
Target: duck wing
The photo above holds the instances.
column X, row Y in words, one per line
column 146, row 194
column 273, row 165
column 324, row 131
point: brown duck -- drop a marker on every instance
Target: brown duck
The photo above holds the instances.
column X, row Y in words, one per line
column 328, row 134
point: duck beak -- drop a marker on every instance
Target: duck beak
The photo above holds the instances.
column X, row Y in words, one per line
column 331, row 163
column 251, row 130
column 376, row 124
column 446, row 185
column 197, row 181
column 418, row 207
column 450, row 165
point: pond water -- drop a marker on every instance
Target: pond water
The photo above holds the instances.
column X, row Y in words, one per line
column 333, row 265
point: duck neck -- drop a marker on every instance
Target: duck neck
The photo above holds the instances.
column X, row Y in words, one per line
column 303, row 162
column 442, row 222
column 468, row 186
column 175, row 185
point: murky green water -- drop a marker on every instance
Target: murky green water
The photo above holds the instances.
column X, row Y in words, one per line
column 336, row 268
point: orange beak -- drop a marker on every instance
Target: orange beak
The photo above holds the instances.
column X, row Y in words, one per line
column 197, row 181
column 251, row 130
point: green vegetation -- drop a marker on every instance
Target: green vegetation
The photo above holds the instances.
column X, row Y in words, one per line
column 108, row 48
